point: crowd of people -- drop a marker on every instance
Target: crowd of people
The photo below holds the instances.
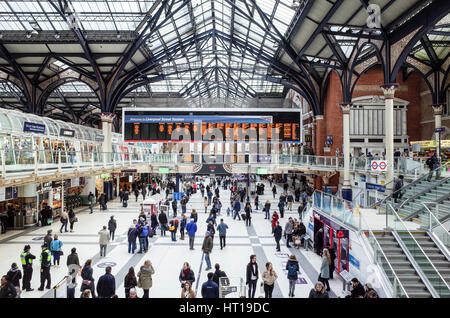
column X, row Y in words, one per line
column 145, row 226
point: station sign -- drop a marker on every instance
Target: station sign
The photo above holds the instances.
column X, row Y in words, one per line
column 33, row 127
column 378, row 165
column 163, row 170
column 373, row 186
column 261, row 171
column 99, row 137
column 67, row 132
column 439, row 130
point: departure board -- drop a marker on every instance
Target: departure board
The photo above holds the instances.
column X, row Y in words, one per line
column 177, row 126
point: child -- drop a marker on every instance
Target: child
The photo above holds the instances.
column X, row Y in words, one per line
column 228, row 211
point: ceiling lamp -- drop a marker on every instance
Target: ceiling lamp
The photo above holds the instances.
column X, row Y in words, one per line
column 295, row 4
column 28, row 35
column 57, row 36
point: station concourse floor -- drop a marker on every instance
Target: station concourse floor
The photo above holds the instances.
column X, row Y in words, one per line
column 166, row 256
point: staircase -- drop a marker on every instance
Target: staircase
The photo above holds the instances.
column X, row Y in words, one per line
column 434, row 254
column 412, row 209
column 410, row 279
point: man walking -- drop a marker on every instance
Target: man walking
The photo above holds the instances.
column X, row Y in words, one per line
column 91, row 202
column 236, row 209
column 277, row 233
column 104, row 238
column 112, row 226
column 207, row 248
column 26, row 259
column 183, row 225
column 191, row 228
column 222, row 228
column 162, row 218
column 46, row 257
column 288, row 232
column 281, row 208
column 106, row 286
column 132, row 235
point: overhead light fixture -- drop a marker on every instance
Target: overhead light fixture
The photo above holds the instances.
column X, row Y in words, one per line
column 36, row 32
column 1, row 36
column 28, row 35
column 118, row 35
column 295, row 4
column 57, row 36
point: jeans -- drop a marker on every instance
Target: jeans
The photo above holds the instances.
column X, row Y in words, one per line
column 111, row 233
column 267, row 214
column 430, row 174
column 64, row 224
column 191, row 242
column 208, row 261
column 163, row 229
column 268, row 289
column 131, row 247
column 222, row 239
column 56, row 257
column 252, row 288
column 142, row 244
column 102, row 250
column 173, row 234
column 292, row 286
column 91, row 207
column 288, row 239
column 278, row 244
column 236, row 213
column 248, row 221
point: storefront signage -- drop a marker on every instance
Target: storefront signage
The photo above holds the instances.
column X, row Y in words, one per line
column 429, row 143
column 163, row 170
column 75, row 182
column 33, row 127
column 11, row 193
column 261, row 171
column 373, row 186
column 129, row 171
column 308, row 138
column 353, row 261
column 67, row 132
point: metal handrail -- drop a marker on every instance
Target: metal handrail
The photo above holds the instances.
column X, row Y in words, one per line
column 409, row 185
column 438, row 223
column 423, row 252
column 385, row 257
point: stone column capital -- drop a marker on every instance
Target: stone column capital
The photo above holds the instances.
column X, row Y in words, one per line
column 389, row 90
column 438, row 109
column 318, row 117
column 107, row 117
column 346, row 108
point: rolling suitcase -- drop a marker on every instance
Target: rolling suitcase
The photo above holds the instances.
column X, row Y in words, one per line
column 125, row 204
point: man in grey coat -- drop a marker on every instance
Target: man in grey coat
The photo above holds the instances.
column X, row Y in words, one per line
column 288, row 232
column 104, row 238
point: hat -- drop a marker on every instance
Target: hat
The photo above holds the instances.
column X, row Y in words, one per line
column 208, row 233
column 26, row 247
column 292, row 258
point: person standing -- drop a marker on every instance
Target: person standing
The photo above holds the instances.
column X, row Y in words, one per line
column 72, row 219
column 324, row 275
column 88, row 282
column 207, row 249
column 55, row 248
column 209, row 288
column 267, row 210
column 14, row 277
column 72, row 258
column 64, row 218
column 275, row 218
column 143, row 191
column 277, row 233
column 218, row 274
column 186, row 275
column 187, row 291
column 48, row 238
column 91, row 200
column 112, row 226
column 248, row 214
column 143, row 231
column 205, row 204
column 126, row 196
column 102, row 201
column 433, row 164
column 256, row 202
column 130, row 281
column 194, row 215
column 281, row 208
column 292, row 275
column 191, row 228
column 274, row 191
column 162, row 218
column 145, row 277
column 106, row 286
column 269, row 277
column 26, row 258
column 132, row 235
column 173, row 229
column 153, row 222
column 252, row 276
column 174, row 208
column 318, row 241
column 183, row 226
column 103, row 237
column 136, row 193
column 222, row 228
column 46, row 262
column 288, row 232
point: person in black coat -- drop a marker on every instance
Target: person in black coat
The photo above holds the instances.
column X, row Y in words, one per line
column 318, row 241
column 357, row 291
column 277, row 233
column 14, row 277
column 333, row 257
column 7, row 289
column 162, row 218
column 106, row 285
column 153, row 222
column 88, row 280
column 252, row 276
column 186, row 275
column 218, row 274
column 174, row 208
column 318, row 291
column 209, row 288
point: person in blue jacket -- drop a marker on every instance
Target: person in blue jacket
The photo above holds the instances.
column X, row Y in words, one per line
column 209, row 288
column 292, row 275
column 222, row 228
column 236, row 209
column 191, row 228
column 281, row 208
column 143, row 231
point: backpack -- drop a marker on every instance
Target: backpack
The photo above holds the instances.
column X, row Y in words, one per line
column 292, row 270
column 144, row 231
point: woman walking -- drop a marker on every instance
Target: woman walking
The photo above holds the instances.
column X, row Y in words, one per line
column 112, row 226
column 325, row 268
column 55, row 248
column 293, row 269
column 187, row 292
column 252, row 276
column 64, row 217
column 130, row 281
column 145, row 277
column 88, row 279
column 269, row 277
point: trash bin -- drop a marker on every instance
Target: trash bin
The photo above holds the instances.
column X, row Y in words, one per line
column 19, row 221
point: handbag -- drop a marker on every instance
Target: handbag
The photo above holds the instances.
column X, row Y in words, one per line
column 61, row 253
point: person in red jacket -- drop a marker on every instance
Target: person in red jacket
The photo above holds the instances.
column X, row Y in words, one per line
column 275, row 218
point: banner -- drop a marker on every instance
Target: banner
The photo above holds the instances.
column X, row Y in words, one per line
column 198, row 118
column 33, row 127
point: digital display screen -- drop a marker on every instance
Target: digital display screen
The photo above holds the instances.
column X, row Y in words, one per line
column 157, row 126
